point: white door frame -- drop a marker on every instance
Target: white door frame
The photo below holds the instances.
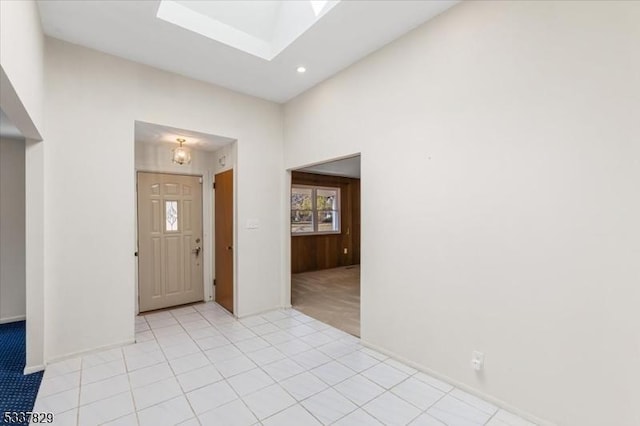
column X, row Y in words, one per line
column 286, row 261
column 14, row 108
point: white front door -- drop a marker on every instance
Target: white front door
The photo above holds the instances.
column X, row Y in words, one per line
column 170, row 259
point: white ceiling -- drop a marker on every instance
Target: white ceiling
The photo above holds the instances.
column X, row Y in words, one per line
column 155, row 133
column 257, row 18
column 130, row 29
column 348, row 167
column 260, row 28
column 7, row 128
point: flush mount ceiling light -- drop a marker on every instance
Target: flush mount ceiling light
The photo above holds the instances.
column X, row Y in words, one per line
column 181, row 155
column 301, row 70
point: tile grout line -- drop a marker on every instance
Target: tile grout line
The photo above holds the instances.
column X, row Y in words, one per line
column 79, row 390
column 228, row 328
column 126, row 366
column 275, row 381
column 261, row 369
column 257, row 366
column 389, row 390
column 297, row 402
column 184, row 394
column 308, row 370
column 361, row 406
column 226, row 379
column 211, row 363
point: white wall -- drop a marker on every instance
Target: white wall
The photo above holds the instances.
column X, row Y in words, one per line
column 92, row 102
column 224, row 158
column 21, row 57
column 512, row 129
column 158, row 157
column 12, row 231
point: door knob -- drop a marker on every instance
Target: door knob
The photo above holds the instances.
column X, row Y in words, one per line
column 196, row 250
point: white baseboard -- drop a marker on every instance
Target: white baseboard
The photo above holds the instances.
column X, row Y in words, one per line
column 263, row 311
column 90, row 351
column 33, row 369
column 13, row 319
column 495, row 401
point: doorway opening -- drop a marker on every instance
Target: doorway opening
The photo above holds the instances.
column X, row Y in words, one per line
column 12, row 226
column 15, row 380
column 325, row 242
column 177, row 219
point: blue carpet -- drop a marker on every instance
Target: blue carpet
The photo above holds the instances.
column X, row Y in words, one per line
column 17, row 391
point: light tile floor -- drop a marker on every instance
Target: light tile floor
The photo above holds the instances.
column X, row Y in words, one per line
column 198, row 365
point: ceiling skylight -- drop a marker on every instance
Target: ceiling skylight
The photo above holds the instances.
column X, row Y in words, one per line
column 261, row 28
column 318, row 5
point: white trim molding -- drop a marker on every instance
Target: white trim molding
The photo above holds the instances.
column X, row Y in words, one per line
column 33, row 369
column 13, row 319
column 495, row 401
column 90, row 351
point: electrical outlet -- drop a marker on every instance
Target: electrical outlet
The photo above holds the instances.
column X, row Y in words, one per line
column 477, row 360
column 346, row 250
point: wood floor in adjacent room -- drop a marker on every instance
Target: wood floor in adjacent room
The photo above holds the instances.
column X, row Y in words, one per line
column 331, row 296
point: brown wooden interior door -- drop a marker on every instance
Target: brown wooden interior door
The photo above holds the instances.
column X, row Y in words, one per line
column 224, row 239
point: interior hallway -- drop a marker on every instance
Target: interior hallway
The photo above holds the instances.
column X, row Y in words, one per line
column 330, row 295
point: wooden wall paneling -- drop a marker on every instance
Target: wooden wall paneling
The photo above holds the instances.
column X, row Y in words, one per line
column 315, row 252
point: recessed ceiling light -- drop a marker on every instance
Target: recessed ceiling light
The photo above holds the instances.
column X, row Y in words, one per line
column 301, row 69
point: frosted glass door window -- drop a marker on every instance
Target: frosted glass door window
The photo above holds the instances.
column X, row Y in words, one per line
column 171, row 215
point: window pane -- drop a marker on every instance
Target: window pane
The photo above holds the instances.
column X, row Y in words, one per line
column 301, row 198
column 315, row 210
column 171, row 215
column 301, row 221
column 328, row 221
column 327, row 199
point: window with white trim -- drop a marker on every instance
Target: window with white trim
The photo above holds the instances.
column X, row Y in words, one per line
column 315, row 210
